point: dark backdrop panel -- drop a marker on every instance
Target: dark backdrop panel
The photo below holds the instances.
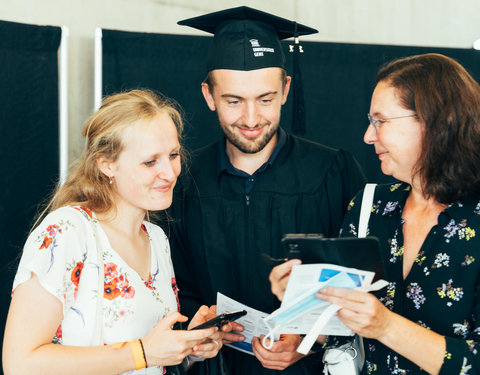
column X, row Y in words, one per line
column 337, row 82
column 28, row 137
column 168, row 64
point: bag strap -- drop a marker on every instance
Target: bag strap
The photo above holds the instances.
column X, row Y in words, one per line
column 366, row 209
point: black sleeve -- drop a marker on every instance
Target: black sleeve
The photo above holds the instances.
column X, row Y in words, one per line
column 184, row 262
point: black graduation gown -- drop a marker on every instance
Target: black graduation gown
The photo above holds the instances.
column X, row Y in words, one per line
column 218, row 231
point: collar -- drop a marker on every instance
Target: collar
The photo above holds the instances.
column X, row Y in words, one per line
column 393, row 203
column 224, row 163
column 457, row 211
column 463, row 210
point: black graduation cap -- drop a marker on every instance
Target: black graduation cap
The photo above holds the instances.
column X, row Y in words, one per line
column 249, row 39
column 246, row 38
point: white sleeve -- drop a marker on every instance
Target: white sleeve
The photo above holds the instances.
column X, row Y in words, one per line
column 55, row 252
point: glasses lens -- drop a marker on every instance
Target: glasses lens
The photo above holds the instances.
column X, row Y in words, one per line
column 372, row 121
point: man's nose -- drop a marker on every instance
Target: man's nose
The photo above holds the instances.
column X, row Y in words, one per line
column 250, row 115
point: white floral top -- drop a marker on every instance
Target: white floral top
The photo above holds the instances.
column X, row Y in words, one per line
column 63, row 252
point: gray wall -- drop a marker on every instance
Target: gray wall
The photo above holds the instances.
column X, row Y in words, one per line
column 440, row 23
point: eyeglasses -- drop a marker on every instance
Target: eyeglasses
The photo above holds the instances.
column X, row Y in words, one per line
column 379, row 121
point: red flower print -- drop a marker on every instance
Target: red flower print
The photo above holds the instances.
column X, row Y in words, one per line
column 58, row 335
column 144, row 228
column 84, row 209
column 47, row 241
column 127, row 291
column 77, row 271
column 89, row 213
column 52, row 229
column 149, row 283
column 120, row 279
column 175, row 290
column 111, row 269
column 111, row 291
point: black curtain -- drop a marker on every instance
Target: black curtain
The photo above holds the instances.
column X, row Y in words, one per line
column 28, row 137
column 337, row 84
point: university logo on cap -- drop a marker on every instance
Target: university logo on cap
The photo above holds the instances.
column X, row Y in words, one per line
column 258, row 50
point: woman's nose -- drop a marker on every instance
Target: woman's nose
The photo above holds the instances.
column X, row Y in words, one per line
column 370, row 135
column 165, row 170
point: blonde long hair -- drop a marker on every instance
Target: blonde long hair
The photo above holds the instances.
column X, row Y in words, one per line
column 87, row 185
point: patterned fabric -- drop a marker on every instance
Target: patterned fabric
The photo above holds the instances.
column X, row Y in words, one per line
column 440, row 292
column 63, row 252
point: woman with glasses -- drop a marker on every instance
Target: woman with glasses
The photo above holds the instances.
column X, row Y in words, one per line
column 425, row 128
column 95, row 291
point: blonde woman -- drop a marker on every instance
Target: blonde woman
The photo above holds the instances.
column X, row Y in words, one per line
column 95, row 291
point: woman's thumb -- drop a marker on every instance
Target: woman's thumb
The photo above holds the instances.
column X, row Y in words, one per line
column 171, row 319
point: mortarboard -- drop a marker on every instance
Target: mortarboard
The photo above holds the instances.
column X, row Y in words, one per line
column 246, row 38
column 249, row 39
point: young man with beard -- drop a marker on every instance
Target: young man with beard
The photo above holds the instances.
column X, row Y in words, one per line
column 243, row 193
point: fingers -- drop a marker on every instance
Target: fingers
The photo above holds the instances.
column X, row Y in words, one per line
column 201, row 315
column 360, row 311
column 199, row 334
column 229, row 337
column 282, row 354
column 208, row 349
column 279, row 277
column 213, row 310
column 218, row 335
column 283, row 270
column 343, row 297
column 232, row 326
column 171, row 319
column 287, row 343
column 237, row 327
column 231, row 332
column 352, row 294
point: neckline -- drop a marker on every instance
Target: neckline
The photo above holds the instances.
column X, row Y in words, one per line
column 112, row 249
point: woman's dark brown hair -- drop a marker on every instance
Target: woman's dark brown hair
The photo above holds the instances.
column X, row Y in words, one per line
column 446, row 100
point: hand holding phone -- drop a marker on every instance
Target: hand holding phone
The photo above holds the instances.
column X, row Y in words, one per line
column 221, row 320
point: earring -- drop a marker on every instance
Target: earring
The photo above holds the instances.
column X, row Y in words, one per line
column 110, row 181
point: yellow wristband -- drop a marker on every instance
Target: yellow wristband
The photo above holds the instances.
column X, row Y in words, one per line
column 137, row 352
column 138, row 355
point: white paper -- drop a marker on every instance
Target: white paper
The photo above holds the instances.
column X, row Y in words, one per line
column 307, row 278
column 252, row 322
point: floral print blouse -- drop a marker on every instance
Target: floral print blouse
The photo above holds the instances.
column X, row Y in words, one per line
column 63, row 253
column 440, row 293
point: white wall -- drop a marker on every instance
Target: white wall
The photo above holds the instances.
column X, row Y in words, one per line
column 440, row 23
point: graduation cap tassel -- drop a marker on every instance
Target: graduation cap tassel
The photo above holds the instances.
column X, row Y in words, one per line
column 298, row 115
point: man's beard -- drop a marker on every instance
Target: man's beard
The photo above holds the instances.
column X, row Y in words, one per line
column 244, row 144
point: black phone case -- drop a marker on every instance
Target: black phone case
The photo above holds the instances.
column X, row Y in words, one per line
column 361, row 253
column 221, row 319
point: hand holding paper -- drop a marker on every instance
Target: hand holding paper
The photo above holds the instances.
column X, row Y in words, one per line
column 361, row 312
column 302, row 312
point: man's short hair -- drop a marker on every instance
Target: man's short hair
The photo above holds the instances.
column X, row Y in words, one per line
column 210, row 81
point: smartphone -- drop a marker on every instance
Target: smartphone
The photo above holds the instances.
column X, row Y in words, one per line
column 221, row 319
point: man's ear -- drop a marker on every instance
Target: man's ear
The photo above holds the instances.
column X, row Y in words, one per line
column 105, row 166
column 208, row 97
column 286, row 89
